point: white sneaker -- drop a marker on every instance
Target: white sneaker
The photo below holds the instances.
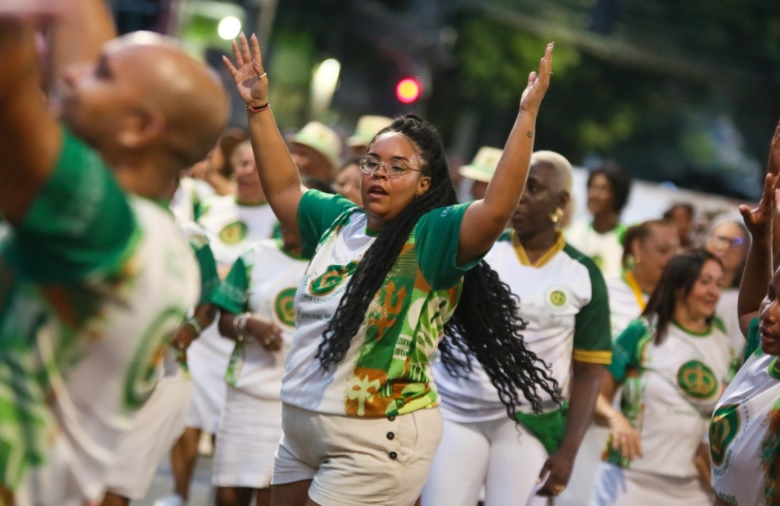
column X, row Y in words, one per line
column 170, row 500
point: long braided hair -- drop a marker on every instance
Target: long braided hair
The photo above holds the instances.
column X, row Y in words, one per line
column 486, row 324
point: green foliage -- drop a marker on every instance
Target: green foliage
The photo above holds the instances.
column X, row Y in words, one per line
column 495, row 59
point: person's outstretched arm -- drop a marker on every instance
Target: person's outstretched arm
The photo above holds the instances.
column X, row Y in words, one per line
column 278, row 173
column 758, row 266
column 485, row 219
column 773, row 167
column 78, row 35
column 29, row 137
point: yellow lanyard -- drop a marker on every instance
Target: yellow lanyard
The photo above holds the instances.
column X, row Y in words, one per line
column 630, row 280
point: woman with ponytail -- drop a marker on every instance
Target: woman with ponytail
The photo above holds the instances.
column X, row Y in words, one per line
column 566, row 316
column 359, row 415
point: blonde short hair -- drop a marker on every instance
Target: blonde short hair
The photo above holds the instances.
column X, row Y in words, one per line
column 561, row 165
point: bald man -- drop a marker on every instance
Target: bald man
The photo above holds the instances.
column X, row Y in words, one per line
column 94, row 274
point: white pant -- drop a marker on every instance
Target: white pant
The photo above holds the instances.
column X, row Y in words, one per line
column 586, row 465
column 623, row 487
column 248, row 436
column 499, row 454
column 207, row 358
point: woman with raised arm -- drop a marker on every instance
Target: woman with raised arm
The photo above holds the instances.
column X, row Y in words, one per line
column 359, row 418
column 744, row 443
column 565, row 306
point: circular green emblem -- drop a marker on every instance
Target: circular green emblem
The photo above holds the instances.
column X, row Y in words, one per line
column 723, row 429
column 557, row 298
column 331, row 278
column 284, row 306
column 142, row 375
column 697, row 380
column 233, row 233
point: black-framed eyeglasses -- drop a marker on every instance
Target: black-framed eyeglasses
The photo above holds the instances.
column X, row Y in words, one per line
column 393, row 168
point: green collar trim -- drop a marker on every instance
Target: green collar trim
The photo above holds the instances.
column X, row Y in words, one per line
column 703, row 333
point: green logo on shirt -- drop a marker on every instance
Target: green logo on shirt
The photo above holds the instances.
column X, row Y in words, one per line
column 142, row 374
column 331, row 278
column 723, row 430
column 697, row 380
column 557, row 298
column 284, row 306
column 233, row 233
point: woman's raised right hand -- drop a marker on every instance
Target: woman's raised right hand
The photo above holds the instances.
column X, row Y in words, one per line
column 248, row 73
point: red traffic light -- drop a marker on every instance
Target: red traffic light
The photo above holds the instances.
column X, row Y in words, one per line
column 408, row 90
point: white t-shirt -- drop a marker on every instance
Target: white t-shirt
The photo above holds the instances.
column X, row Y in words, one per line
column 626, row 302
column 605, row 249
column 263, row 281
column 727, row 313
column 563, row 299
column 386, row 370
column 232, row 228
column 102, row 280
column 669, row 393
column 187, row 202
column 744, row 431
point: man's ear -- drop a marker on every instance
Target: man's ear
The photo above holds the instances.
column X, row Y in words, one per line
column 141, row 129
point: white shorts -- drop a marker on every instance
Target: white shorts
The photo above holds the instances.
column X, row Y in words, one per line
column 499, row 454
column 248, row 436
column 207, row 359
column 624, row 487
column 157, row 426
column 356, row 461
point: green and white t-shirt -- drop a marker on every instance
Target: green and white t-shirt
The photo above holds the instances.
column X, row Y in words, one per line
column 198, row 240
column 605, row 249
column 263, row 281
column 92, row 283
column 626, row 302
column 187, row 202
column 745, row 431
column 564, row 301
column 232, row 228
column 386, row 370
column 669, row 393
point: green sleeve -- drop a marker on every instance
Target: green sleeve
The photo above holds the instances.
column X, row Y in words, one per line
column 592, row 341
column 316, row 213
column 436, row 240
column 80, row 224
column 625, row 353
column 209, row 279
column 753, row 340
column 233, row 293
